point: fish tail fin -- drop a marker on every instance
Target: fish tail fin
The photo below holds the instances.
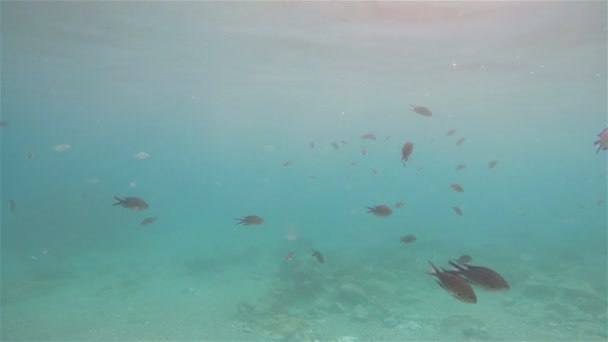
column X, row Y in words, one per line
column 119, row 201
column 433, row 271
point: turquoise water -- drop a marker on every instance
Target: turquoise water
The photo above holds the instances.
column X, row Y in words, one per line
column 220, row 96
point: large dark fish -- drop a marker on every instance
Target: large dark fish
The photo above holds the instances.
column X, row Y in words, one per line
column 483, row 277
column 602, row 142
column 318, row 256
column 406, row 152
column 133, row 203
column 422, row 110
column 454, row 285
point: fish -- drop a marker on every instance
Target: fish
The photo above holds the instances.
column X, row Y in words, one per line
column 450, row 132
column 363, row 151
column 456, row 286
column 406, row 152
column 148, row 220
column 4, row 123
column 312, row 144
column 388, row 137
column 12, row 205
column 250, row 220
column 457, row 210
column 133, row 203
column 318, row 255
column 457, row 187
column 382, row 210
column 602, row 142
column 353, row 163
column 335, row 145
column 482, row 277
column 344, row 142
column 31, row 155
column 369, row 136
column 399, row 204
column 287, row 163
column 374, row 170
column 492, row 164
column 460, row 141
column 289, row 257
column 407, row 239
column 461, row 167
column 464, row 259
column 421, row 110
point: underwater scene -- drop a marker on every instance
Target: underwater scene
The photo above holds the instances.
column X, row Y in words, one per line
column 304, row 171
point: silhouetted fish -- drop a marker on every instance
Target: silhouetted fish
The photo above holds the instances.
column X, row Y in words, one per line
column 483, row 277
column 318, row 255
column 406, row 152
column 133, row 203
column 602, row 142
column 454, row 285
column 421, row 110
column 250, row 220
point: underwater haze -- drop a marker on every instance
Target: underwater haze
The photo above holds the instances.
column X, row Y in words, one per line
column 238, row 171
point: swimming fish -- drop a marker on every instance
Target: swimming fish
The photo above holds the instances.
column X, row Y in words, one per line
column 148, row 220
column 407, row 239
column 461, row 167
column 289, row 257
column 335, row 145
column 380, row 210
column 406, row 152
column 464, row 259
column 450, row 132
column 483, row 277
column 318, row 255
column 421, row 110
column 460, row 141
column 133, row 203
column 399, row 204
column 250, row 220
column 457, row 187
column 454, row 285
column 457, row 210
column 369, row 136
column 602, row 142
column 492, row 164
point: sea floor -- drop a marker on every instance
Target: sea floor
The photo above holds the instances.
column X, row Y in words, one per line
column 126, row 296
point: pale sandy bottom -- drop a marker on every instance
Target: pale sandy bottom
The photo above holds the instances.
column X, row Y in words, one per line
column 125, row 298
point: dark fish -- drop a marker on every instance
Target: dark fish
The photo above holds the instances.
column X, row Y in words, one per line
column 460, row 141
column 353, row 163
column 408, row 239
column 312, row 144
column 12, row 205
column 369, row 136
column 421, row 110
column 287, row 163
column 148, row 220
column 457, row 210
column 399, row 204
column 380, row 210
column 450, row 132
column 318, row 255
column 454, row 285
column 406, row 152
column 335, row 145
column 457, row 187
column 461, row 167
column 133, row 203
column 363, row 151
column 602, row 142
column 483, row 277
column 492, row 164
column 4, row 123
column 250, row 220
column 464, row 259
column 374, row 171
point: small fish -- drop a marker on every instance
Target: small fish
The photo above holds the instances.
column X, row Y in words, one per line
column 312, row 144
column 353, row 163
column 374, row 171
column 388, row 137
column 363, row 151
column 457, row 187
column 454, row 285
column 406, row 152
column 461, row 167
column 31, row 155
column 460, row 141
column 483, row 277
column 450, row 132
column 369, row 136
column 464, row 259
column 287, row 163
column 318, row 255
column 399, row 204
column 407, row 239
column 289, row 257
column 492, row 164
column 382, row 210
column 602, row 142
column 133, row 203
column 250, row 220
column 335, row 145
column 148, row 220
column 12, row 205
column 457, row 210
column 344, row 142
column 421, row 110
column 4, row 123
